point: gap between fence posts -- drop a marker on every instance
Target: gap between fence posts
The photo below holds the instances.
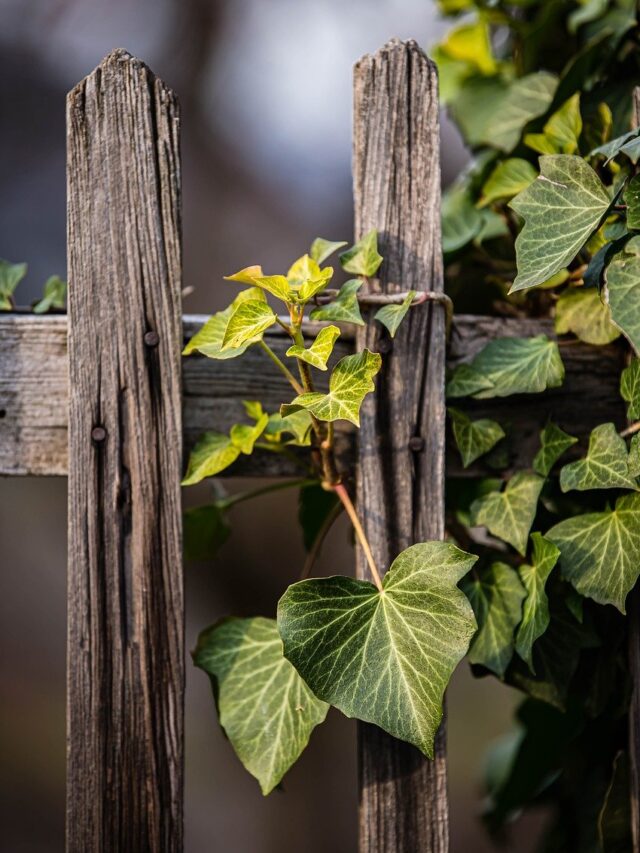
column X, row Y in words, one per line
column 125, row 589
column 396, row 165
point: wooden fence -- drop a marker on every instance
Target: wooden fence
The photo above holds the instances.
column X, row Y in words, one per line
column 101, row 396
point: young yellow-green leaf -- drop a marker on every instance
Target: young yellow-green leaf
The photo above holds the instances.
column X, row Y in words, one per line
column 470, row 43
column 311, row 287
column 465, row 381
column 474, row 438
column 581, row 310
column 630, row 388
column 350, row 382
column 600, row 551
column 622, row 291
column 554, row 441
column 208, row 339
column 344, row 308
column 297, row 424
column 519, row 366
column 496, row 596
column 363, row 257
column 54, row 295
column 509, row 514
column 246, row 275
column 561, row 209
column 392, row 315
column 10, row 277
column 264, row 707
column 632, row 200
column 248, row 321
column 278, row 285
column 302, row 270
column 604, row 467
column 254, row 409
column 213, row 453
column 535, row 611
column 384, row 657
column 507, row 179
column 318, row 354
column 321, row 249
column 561, row 133
column 244, row 436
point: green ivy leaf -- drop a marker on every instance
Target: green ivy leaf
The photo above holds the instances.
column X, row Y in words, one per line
column 314, row 507
column 633, row 460
column 628, row 143
column 461, row 220
column 474, row 438
column 535, row 611
column 561, row 133
column 561, row 209
column 630, row 388
column 507, row 179
column 10, row 277
column 54, row 295
column 604, row 467
column 247, row 322
column 205, row 531
column 600, row 551
column 509, row 514
column 392, row 315
column 296, row 424
column 581, row 310
column 554, row 441
column 318, row 354
column 247, row 275
column 311, row 287
column 244, row 436
column 519, row 366
column 265, row 708
column 277, row 285
column 496, row 597
column 350, row 382
column 384, row 657
column 344, row 308
column 622, row 291
column 465, row 381
column 363, row 257
column 208, row 339
column 321, row 249
column 304, row 269
column 632, row 199
column 470, row 44
column 215, row 451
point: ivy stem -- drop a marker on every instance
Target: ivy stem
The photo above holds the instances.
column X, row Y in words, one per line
column 632, row 429
column 343, row 494
column 238, row 498
column 283, row 367
column 326, row 526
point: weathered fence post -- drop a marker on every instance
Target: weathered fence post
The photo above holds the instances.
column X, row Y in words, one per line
column 403, row 798
column 125, row 644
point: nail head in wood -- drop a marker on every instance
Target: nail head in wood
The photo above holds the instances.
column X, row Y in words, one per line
column 385, row 345
column 98, row 434
column 416, row 443
column 152, row 339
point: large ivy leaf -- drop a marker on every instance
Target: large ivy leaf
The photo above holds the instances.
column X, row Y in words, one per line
column 622, row 291
column 507, row 179
column 604, row 467
column 561, row 209
column 535, row 611
column 392, row 315
column 633, row 460
column 208, row 339
column 53, row 296
column 600, row 551
column 554, row 441
column 561, row 133
column 630, row 388
column 509, row 514
column 581, row 310
column 496, row 596
column 363, row 257
column 265, row 708
column 350, row 382
column 465, row 381
column 10, row 277
column 247, row 322
column 474, row 438
column 318, row 354
column 632, row 200
column 215, row 451
column 384, row 657
column 519, row 366
column 344, row 308
column 321, row 249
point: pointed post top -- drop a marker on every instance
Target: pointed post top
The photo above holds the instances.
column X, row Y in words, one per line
column 117, row 61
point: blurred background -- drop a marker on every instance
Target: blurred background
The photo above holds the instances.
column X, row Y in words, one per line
column 265, row 87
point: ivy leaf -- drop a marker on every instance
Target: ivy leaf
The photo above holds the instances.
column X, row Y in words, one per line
column 10, row 277
column 215, row 451
column 561, row 209
column 321, row 249
column 581, row 310
column 318, row 354
column 205, row 531
column 297, row 424
column 509, row 514
column 208, row 339
column 350, row 382
column 470, row 43
column 363, row 257
column 392, row 315
column 628, row 143
column 344, row 308
column 54, row 295
column 632, row 199
column 622, row 291
column 465, row 381
column 311, row 287
column 384, row 657
column 604, row 467
column 461, row 220
column 265, row 708
column 244, row 436
column 600, row 551
column 474, row 438
column 314, row 506
column 535, row 612
column 278, row 285
column 561, row 133
column 248, row 321
column 507, row 179
column 554, row 441
column 304, row 269
column 519, row 366
column 496, row 597
column 630, row 388
column 246, row 275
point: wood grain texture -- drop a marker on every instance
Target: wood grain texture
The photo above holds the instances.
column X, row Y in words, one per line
column 125, row 594
column 396, row 175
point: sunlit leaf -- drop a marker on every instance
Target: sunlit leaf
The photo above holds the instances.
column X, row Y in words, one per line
column 344, row 308
column 630, row 388
column 392, row 315
column 248, row 321
column 509, row 514
column 10, row 277
column 470, row 43
column 465, row 381
column 278, row 285
column 321, row 249
column 554, row 441
column 474, row 438
column 519, row 366
column 246, row 275
column 54, row 295
column 581, row 310
column 318, row 354
column 363, row 257
column 604, row 467
column 507, row 179
column 622, row 291
column 304, row 269
column 561, row 133
column 535, row 610
column 244, row 436
column 297, row 424
column 213, row 453
column 311, row 287
column 208, row 339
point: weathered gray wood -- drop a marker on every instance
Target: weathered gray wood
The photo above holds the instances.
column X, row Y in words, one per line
column 396, row 165
column 33, row 392
column 125, row 594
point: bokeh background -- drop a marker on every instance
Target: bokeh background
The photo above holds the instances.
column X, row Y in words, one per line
column 265, row 87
